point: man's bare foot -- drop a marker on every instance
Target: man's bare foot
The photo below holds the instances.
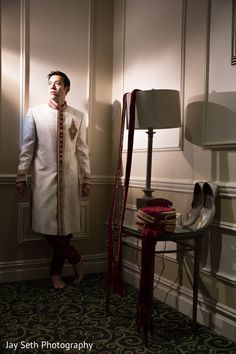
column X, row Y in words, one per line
column 78, row 273
column 57, row 282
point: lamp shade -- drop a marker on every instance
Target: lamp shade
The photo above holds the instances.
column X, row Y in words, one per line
column 157, row 109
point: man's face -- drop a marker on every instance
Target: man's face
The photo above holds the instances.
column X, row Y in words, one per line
column 57, row 90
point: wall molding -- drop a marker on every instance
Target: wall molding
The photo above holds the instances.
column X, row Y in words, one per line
column 24, row 61
column 173, row 185
column 10, row 179
column 223, row 277
column 26, row 235
column 223, row 225
column 102, row 179
column 216, row 316
column 226, row 189
column 7, row 179
column 39, row 268
column 178, row 144
column 90, row 66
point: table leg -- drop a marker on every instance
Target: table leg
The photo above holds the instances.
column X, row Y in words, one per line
column 197, row 255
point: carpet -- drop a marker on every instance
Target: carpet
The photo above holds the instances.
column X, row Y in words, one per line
column 35, row 318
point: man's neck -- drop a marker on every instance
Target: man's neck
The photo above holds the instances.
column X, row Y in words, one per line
column 59, row 102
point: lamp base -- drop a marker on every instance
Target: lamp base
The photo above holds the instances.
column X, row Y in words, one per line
column 142, row 202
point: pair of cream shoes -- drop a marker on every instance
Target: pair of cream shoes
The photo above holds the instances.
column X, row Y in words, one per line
column 203, row 205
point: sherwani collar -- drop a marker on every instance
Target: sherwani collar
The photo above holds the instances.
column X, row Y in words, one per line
column 56, row 106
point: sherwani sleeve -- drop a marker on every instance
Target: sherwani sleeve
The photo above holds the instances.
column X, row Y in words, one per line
column 27, row 148
column 83, row 153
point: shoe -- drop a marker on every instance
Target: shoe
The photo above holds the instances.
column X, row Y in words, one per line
column 195, row 211
column 208, row 209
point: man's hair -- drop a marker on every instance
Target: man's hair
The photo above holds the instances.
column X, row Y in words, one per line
column 66, row 80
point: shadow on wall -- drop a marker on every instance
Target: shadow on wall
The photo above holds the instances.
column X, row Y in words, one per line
column 116, row 126
column 9, row 131
column 212, row 122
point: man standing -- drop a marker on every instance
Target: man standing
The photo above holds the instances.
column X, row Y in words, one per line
column 54, row 146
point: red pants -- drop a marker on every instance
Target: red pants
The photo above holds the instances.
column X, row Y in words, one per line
column 62, row 250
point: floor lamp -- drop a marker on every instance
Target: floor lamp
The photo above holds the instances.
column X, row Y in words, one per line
column 155, row 109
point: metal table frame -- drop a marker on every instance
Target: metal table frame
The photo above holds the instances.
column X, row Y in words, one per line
column 178, row 236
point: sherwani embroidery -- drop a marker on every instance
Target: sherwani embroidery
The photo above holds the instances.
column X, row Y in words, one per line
column 59, row 163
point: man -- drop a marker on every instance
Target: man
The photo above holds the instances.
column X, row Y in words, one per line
column 54, row 146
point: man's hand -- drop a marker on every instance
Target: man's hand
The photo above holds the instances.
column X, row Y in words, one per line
column 86, row 187
column 22, row 187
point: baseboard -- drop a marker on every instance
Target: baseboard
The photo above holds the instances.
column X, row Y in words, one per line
column 217, row 317
column 39, row 268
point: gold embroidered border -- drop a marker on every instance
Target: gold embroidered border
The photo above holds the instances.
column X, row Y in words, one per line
column 60, row 173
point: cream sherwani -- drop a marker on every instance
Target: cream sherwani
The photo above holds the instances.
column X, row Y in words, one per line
column 59, row 157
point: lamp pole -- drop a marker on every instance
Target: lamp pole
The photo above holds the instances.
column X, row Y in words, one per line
column 148, row 190
column 141, row 202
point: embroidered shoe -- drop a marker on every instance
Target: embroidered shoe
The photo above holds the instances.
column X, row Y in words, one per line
column 197, row 202
column 208, row 209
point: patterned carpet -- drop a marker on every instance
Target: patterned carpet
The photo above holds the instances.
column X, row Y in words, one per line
column 35, row 318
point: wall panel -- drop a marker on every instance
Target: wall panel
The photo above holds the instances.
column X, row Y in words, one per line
column 153, row 56
column 74, row 36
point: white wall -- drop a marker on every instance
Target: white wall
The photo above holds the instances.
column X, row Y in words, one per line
column 175, row 45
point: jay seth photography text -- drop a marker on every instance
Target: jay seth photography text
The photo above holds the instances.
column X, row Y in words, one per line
column 48, row 345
